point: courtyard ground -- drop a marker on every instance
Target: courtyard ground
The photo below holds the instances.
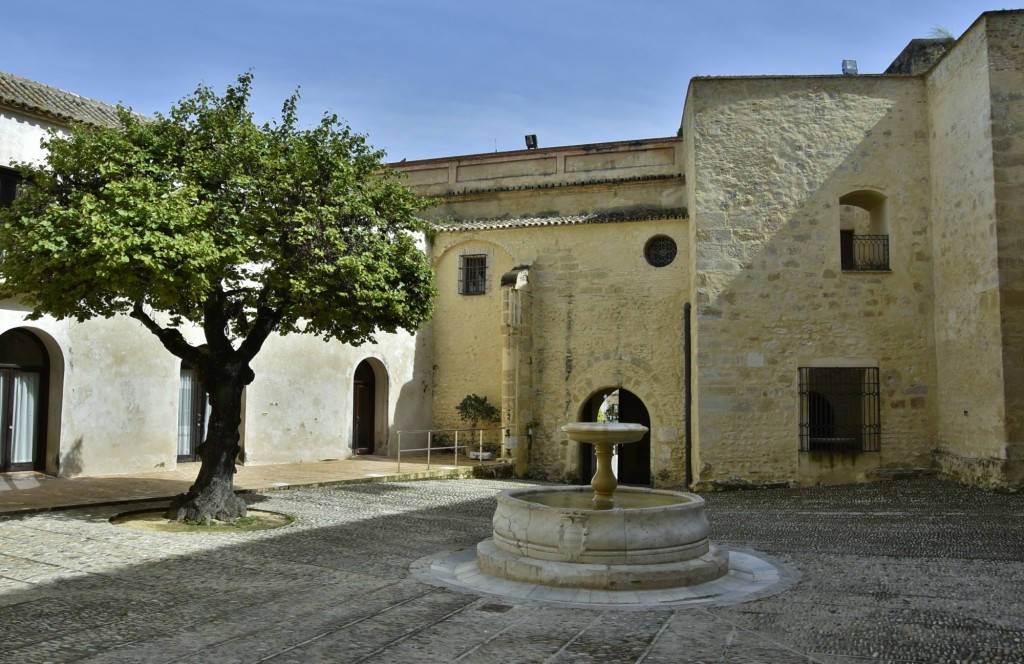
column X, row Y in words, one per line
column 901, row 571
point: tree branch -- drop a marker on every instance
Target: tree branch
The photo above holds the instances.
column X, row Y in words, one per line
column 169, row 337
column 265, row 323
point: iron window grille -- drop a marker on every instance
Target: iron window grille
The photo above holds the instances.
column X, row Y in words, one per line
column 839, row 409
column 473, row 274
column 660, row 251
column 863, row 252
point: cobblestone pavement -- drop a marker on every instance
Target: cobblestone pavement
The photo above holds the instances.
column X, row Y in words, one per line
column 909, row 571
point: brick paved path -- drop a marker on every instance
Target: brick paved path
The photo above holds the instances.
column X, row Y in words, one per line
column 913, row 571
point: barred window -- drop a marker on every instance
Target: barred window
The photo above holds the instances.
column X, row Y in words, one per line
column 839, row 409
column 473, row 274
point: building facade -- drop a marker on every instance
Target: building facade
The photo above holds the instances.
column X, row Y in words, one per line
column 842, row 301
column 817, row 280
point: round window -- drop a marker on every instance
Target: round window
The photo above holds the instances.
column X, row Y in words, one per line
column 660, row 250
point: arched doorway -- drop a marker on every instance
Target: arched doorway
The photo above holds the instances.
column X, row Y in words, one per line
column 369, row 406
column 24, row 389
column 632, row 463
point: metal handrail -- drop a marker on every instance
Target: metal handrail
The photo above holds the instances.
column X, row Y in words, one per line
column 430, row 435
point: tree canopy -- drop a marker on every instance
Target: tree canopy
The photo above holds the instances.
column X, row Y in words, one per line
column 211, row 218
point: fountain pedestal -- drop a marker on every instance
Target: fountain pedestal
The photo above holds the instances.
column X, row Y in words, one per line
column 604, row 438
column 603, row 538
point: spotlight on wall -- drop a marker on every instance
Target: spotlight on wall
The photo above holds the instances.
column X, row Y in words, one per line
column 531, row 141
column 850, row 67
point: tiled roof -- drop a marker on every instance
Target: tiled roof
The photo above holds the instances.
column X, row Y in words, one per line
column 22, row 94
column 569, row 220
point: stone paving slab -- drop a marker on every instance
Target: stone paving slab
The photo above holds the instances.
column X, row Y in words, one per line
column 911, row 571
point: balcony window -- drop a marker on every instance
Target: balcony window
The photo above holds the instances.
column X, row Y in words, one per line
column 863, row 232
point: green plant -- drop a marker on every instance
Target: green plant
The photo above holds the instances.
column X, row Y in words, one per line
column 474, row 408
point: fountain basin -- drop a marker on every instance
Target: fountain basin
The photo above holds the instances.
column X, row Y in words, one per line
column 648, row 539
column 605, row 433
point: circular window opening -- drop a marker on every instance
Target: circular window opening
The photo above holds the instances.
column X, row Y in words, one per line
column 660, row 251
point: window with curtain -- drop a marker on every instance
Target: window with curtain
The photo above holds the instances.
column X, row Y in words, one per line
column 193, row 413
column 24, row 416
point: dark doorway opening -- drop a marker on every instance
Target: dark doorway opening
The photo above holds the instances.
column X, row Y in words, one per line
column 364, row 391
column 24, row 386
column 632, row 462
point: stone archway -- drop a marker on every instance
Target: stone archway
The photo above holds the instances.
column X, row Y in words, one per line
column 632, row 463
column 26, row 412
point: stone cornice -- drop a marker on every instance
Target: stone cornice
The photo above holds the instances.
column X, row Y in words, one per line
column 640, row 179
column 567, row 220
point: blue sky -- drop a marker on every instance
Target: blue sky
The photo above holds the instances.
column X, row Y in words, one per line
column 435, row 78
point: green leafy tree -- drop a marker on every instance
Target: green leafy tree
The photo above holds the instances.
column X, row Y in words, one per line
column 205, row 218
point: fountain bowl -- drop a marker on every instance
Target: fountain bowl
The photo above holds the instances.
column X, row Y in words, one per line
column 554, row 536
column 601, row 433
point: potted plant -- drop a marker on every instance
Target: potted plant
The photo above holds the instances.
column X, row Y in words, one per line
column 474, row 409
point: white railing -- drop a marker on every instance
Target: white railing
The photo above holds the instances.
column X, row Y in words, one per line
column 467, row 433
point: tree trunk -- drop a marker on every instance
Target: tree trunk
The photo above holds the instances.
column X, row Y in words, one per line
column 212, row 495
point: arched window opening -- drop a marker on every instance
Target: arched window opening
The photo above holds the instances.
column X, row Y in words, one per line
column 863, row 232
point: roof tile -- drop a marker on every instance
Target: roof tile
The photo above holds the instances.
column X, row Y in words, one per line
column 23, row 94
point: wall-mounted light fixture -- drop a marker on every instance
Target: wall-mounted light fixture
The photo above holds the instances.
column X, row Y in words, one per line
column 531, row 141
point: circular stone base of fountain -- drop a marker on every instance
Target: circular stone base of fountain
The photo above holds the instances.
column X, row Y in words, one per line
column 750, row 576
column 596, row 576
column 558, row 536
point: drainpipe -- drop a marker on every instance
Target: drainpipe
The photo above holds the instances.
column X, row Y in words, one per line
column 688, row 396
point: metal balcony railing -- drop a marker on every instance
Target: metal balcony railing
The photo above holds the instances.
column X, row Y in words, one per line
column 864, row 252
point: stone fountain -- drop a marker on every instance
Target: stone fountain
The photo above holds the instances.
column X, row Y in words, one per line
column 604, row 537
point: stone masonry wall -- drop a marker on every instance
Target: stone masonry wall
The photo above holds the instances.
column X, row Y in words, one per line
column 771, row 158
column 1005, row 33
column 968, row 335
column 579, row 179
column 602, row 317
column 466, row 328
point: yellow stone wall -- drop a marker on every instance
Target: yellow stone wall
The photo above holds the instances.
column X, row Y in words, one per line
column 602, row 317
column 466, row 328
column 975, row 117
column 1006, row 76
column 770, row 159
column 599, row 315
